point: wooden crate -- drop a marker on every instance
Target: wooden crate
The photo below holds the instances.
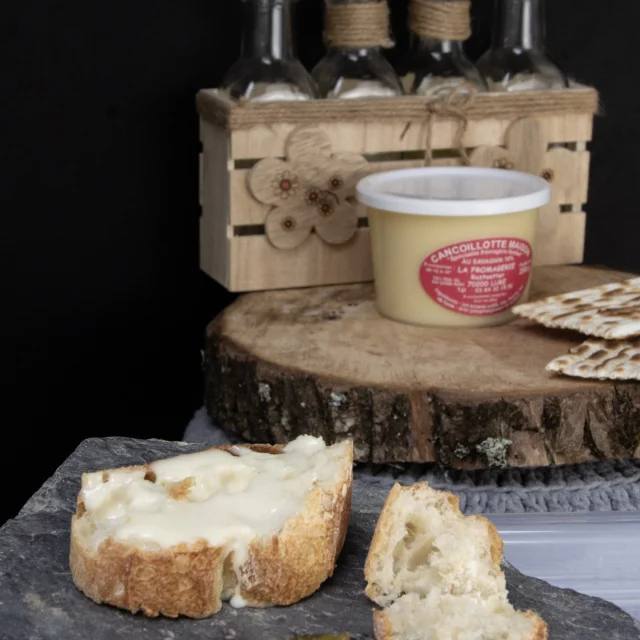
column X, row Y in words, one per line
column 235, row 249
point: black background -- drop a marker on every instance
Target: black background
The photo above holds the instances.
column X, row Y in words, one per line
column 104, row 304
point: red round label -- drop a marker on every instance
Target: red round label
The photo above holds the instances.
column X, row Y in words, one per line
column 478, row 277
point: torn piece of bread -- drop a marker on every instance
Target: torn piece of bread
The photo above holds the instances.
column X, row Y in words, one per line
column 610, row 311
column 438, row 573
column 447, row 617
column 423, row 542
column 259, row 525
column 601, row 360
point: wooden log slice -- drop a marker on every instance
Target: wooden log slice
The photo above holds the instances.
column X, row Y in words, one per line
column 322, row 361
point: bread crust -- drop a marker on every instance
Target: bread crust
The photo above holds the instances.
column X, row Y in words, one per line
column 380, row 541
column 192, row 579
column 383, row 629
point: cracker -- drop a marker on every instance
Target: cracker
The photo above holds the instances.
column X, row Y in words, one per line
column 601, row 359
column 610, row 311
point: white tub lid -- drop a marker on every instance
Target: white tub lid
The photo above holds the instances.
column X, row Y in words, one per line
column 453, row 191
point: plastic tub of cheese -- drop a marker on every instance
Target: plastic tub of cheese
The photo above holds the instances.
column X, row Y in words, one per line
column 452, row 246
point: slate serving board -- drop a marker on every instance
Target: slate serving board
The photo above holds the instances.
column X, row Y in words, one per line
column 38, row 600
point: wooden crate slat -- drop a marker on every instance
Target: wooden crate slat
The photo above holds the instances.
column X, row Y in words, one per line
column 258, row 265
column 246, row 210
column 380, row 137
column 216, row 204
column 216, row 107
column 576, row 189
column 567, row 245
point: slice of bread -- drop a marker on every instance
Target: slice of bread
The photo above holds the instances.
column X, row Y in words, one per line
column 259, row 525
column 438, row 573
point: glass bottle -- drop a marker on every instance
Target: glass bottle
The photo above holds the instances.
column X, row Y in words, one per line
column 435, row 63
column 352, row 71
column 268, row 69
column 436, row 55
column 517, row 60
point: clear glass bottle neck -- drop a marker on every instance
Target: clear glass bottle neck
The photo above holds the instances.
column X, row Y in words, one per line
column 355, row 52
column 519, row 25
column 451, row 48
column 268, row 30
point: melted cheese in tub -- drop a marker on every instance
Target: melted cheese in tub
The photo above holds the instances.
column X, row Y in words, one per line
column 224, row 498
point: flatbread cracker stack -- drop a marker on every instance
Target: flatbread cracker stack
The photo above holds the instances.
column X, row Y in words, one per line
column 610, row 311
column 601, row 359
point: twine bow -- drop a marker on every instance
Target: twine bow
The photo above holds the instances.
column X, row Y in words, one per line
column 454, row 103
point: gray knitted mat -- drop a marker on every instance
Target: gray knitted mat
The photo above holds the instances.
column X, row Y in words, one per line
column 590, row 486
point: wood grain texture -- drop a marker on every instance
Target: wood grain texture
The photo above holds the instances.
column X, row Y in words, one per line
column 263, row 141
column 257, row 265
column 559, row 239
column 247, row 210
column 526, row 137
column 566, row 244
column 215, row 199
column 236, row 252
column 322, row 361
column 215, row 107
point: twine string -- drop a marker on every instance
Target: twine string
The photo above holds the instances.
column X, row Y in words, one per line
column 362, row 24
column 440, row 19
column 454, row 103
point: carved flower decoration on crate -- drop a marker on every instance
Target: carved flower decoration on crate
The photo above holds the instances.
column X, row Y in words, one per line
column 313, row 189
column 527, row 149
